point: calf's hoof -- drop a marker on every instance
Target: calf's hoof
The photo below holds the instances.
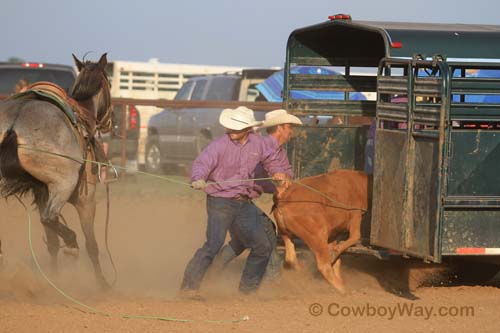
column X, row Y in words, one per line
column 292, row 265
column 339, row 286
column 342, row 290
column 334, row 255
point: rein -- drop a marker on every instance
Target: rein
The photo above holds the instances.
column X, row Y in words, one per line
column 104, row 124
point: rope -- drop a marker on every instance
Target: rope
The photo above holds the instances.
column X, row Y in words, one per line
column 340, row 205
column 106, row 238
column 93, row 310
column 82, row 160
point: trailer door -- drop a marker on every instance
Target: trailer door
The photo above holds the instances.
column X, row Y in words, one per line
column 409, row 149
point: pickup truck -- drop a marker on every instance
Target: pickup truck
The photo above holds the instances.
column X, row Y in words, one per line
column 12, row 73
column 132, row 124
column 177, row 136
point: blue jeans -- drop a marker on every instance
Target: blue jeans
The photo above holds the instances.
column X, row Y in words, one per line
column 240, row 216
column 237, row 247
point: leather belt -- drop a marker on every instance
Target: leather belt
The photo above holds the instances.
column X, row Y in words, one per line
column 241, row 197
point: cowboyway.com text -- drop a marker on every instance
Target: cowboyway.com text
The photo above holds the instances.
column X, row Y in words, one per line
column 390, row 311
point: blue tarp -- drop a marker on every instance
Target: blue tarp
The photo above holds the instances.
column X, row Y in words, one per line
column 272, row 87
column 482, row 73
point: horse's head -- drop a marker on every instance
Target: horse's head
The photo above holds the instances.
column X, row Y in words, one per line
column 92, row 88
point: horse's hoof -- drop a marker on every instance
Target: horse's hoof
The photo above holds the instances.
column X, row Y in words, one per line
column 103, row 285
column 71, row 251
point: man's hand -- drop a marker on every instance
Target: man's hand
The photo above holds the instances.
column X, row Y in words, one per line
column 199, row 184
column 283, row 180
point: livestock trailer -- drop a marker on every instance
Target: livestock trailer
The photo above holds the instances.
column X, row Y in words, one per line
column 434, row 128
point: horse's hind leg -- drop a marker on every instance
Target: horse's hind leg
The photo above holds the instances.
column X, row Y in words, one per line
column 52, row 245
column 50, row 203
column 86, row 206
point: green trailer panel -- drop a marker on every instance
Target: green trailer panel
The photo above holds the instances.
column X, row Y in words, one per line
column 474, row 163
column 466, row 228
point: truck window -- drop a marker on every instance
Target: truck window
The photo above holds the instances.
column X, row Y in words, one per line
column 223, row 89
column 198, row 90
column 10, row 76
column 184, row 92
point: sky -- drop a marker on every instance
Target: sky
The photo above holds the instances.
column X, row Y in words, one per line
column 214, row 32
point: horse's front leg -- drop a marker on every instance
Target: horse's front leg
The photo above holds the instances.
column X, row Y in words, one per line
column 85, row 206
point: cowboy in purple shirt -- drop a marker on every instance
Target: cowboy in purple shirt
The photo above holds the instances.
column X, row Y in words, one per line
column 224, row 170
column 278, row 124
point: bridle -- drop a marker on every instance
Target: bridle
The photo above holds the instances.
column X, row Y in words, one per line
column 104, row 125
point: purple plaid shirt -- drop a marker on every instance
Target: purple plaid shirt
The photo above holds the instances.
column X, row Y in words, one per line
column 267, row 186
column 224, row 160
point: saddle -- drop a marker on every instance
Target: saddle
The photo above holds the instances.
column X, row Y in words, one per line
column 54, row 94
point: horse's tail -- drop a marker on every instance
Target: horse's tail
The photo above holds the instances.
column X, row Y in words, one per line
column 10, row 167
column 14, row 179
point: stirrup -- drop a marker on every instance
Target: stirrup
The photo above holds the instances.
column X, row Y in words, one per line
column 108, row 180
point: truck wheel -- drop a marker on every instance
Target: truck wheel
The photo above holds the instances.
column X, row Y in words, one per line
column 153, row 158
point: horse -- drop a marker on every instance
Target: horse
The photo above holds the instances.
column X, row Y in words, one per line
column 43, row 152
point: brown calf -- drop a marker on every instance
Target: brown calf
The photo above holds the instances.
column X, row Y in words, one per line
column 317, row 209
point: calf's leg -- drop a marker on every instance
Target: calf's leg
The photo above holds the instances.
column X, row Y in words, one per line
column 290, row 254
column 322, row 254
column 354, row 237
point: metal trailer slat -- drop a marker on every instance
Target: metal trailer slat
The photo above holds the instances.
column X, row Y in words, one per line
column 333, row 82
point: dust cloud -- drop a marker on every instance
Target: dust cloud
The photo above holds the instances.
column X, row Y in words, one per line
column 154, row 229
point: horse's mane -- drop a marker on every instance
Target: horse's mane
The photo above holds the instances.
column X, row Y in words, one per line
column 89, row 81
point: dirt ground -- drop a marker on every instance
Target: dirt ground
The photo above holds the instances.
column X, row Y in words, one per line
column 155, row 227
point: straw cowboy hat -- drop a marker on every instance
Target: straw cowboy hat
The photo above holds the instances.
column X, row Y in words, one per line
column 280, row 117
column 238, row 119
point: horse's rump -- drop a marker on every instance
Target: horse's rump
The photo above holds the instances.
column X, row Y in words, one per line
column 37, row 125
column 14, row 180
